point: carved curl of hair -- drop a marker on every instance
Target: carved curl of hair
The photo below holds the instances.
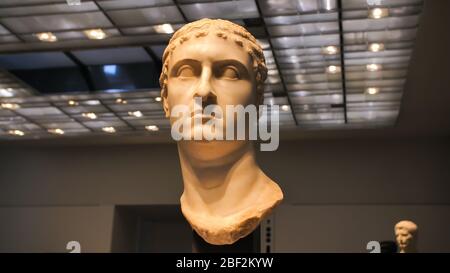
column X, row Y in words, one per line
column 223, row 29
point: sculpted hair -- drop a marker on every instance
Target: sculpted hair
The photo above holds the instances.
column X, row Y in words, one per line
column 225, row 30
column 408, row 225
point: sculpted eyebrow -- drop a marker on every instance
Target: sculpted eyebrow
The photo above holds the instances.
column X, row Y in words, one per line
column 217, row 64
column 240, row 66
column 177, row 65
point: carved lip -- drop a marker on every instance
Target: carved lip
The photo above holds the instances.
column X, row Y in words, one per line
column 203, row 117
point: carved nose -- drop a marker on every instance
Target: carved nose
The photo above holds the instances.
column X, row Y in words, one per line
column 207, row 95
column 205, row 90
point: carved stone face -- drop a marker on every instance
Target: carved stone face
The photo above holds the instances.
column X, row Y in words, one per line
column 221, row 73
column 405, row 235
column 219, row 64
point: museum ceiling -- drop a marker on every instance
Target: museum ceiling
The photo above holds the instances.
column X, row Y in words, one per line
column 76, row 68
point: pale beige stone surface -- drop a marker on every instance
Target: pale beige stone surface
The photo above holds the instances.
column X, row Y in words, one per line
column 406, row 234
column 226, row 194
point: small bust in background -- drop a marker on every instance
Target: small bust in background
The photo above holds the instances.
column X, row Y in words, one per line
column 406, row 233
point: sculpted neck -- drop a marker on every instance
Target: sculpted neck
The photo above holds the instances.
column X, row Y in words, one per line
column 225, row 192
column 222, row 185
column 409, row 249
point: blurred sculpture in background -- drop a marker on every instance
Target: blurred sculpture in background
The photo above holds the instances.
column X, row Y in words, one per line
column 406, row 233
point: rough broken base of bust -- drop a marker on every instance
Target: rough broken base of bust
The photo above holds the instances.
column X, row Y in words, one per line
column 228, row 230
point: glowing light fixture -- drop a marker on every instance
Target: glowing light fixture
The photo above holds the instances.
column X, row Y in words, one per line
column 375, row 47
column 372, row 90
column 6, row 92
column 89, row 115
column 16, row 133
column 109, row 130
column 10, row 106
column 373, row 67
column 285, row 107
column 92, row 102
column 73, row 2
column 330, row 50
column 72, row 103
column 56, row 131
column 327, row 4
column 378, row 13
column 121, row 101
column 137, row 114
column 95, row 34
column 333, row 69
column 164, row 28
column 46, row 37
column 152, row 128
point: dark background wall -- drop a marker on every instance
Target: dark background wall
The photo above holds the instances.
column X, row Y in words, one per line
column 339, row 194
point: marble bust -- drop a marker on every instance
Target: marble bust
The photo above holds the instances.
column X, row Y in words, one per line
column 226, row 194
column 406, row 233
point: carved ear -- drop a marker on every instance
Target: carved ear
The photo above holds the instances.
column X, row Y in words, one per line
column 165, row 103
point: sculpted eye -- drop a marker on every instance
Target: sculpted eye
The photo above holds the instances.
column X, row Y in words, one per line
column 185, row 71
column 229, row 72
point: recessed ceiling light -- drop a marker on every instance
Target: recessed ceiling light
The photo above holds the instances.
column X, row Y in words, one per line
column 373, row 67
column 56, row 131
column 333, row 69
column 152, row 128
column 285, row 107
column 121, row 101
column 158, row 98
column 328, row 4
column 330, row 50
column 137, row 114
column 293, row 59
column 372, row 90
column 375, row 47
column 16, row 133
column 6, row 92
column 109, row 130
column 10, row 106
column 95, row 34
column 378, row 13
column 89, row 115
column 336, row 97
column 72, row 103
column 92, row 102
column 46, row 37
column 73, row 2
column 164, row 28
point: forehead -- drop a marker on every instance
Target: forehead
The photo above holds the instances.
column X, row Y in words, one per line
column 406, row 225
column 210, row 48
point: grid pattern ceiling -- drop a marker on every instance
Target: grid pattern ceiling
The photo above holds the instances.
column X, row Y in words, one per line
column 75, row 115
column 332, row 64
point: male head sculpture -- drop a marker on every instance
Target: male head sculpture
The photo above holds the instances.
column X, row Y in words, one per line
column 226, row 194
column 406, row 233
